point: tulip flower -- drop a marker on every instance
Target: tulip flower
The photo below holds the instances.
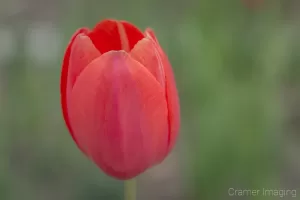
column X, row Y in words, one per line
column 119, row 98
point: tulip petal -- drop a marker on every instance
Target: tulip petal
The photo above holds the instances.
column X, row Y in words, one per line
column 149, row 53
column 64, row 80
column 83, row 52
column 146, row 53
column 119, row 114
column 150, row 33
column 106, row 35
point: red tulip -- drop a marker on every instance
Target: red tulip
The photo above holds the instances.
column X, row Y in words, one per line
column 119, row 98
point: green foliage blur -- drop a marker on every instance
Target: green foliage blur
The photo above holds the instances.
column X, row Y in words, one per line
column 236, row 63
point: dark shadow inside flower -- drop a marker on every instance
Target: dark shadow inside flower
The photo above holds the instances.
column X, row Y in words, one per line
column 115, row 35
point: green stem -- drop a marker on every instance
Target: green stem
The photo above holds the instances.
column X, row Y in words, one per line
column 130, row 190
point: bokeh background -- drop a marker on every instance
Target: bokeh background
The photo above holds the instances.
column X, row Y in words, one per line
column 236, row 64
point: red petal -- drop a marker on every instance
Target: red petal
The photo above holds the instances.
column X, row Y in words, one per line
column 150, row 54
column 150, row 33
column 106, row 36
column 64, row 79
column 119, row 113
column 82, row 53
column 146, row 53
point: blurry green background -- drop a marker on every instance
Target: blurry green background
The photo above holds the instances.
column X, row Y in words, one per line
column 236, row 64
